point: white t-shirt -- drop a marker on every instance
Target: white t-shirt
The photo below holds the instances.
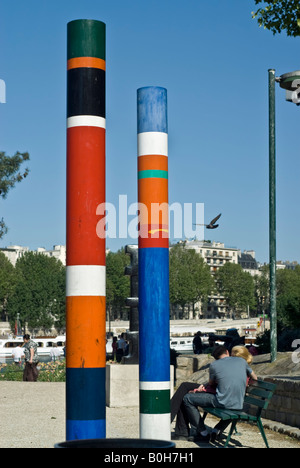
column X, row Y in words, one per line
column 17, row 353
column 54, row 353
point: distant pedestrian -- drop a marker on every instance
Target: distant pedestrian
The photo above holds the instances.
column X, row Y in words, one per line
column 17, row 354
column 121, row 347
column 54, row 353
column 197, row 343
column 115, row 347
column 31, row 360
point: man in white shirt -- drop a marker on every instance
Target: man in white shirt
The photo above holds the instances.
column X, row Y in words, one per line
column 17, row 354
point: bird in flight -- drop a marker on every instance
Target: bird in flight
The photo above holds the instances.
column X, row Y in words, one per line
column 212, row 224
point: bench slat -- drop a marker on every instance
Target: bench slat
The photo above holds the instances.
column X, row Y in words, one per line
column 266, row 394
column 263, row 384
column 256, row 402
column 221, row 413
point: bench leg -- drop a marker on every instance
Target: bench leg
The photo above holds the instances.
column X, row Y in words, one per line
column 232, row 428
column 261, row 428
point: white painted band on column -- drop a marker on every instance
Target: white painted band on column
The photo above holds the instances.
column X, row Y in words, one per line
column 86, row 280
column 152, row 143
column 155, row 426
column 155, row 385
column 86, row 121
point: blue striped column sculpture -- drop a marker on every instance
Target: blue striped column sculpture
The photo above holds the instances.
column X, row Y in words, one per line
column 154, row 324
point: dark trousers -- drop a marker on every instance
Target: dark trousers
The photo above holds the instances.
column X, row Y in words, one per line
column 30, row 372
column 178, row 409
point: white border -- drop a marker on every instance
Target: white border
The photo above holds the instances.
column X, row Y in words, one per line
column 86, row 121
column 86, row 280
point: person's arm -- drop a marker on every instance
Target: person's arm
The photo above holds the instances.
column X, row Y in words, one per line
column 251, row 374
column 31, row 355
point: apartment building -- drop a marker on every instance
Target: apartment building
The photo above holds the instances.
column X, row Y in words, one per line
column 215, row 254
column 14, row 252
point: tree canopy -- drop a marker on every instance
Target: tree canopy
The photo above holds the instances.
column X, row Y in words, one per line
column 288, row 297
column 10, row 175
column 39, row 293
column 190, row 278
column 237, row 287
column 117, row 284
column 279, row 15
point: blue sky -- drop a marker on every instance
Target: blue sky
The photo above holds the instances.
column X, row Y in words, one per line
column 213, row 59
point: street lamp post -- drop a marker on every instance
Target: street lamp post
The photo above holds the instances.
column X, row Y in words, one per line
column 272, row 214
column 291, row 83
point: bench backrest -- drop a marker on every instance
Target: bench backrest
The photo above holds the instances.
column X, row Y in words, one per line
column 259, row 394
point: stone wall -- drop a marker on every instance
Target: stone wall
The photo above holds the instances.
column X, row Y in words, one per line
column 285, row 404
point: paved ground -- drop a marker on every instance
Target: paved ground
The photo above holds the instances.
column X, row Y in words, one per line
column 33, row 416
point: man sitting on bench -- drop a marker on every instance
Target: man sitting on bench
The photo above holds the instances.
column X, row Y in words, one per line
column 229, row 375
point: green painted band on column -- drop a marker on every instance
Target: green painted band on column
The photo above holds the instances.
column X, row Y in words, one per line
column 154, row 401
column 86, row 38
column 152, row 173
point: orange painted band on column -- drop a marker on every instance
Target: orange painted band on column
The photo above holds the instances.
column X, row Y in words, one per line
column 149, row 162
column 86, row 62
column 153, row 191
column 86, row 337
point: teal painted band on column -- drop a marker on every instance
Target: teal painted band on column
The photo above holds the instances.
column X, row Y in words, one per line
column 153, row 173
column 86, row 38
column 154, row 401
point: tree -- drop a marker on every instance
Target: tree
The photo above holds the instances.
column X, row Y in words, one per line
column 10, row 174
column 117, row 284
column 7, row 281
column 236, row 286
column 288, row 297
column 262, row 290
column 190, row 279
column 39, row 293
column 279, row 15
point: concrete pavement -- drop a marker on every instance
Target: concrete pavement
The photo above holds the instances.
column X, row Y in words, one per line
column 33, row 416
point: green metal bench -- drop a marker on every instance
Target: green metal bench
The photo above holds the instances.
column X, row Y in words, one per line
column 258, row 396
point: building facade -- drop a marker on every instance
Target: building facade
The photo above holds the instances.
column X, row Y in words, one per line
column 14, row 252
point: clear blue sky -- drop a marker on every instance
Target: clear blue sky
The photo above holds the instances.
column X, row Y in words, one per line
column 213, row 59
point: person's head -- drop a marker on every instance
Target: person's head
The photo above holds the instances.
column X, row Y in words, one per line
column 220, row 352
column 26, row 338
column 241, row 351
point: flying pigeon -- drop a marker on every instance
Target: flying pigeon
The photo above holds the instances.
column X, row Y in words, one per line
column 212, row 224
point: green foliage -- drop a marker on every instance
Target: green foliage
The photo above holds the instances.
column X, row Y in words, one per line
column 10, row 372
column 39, row 293
column 279, row 15
column 262, row 290
column 236, row 286
column 285, row 339
column 288, row 297
column 48, row 372
column 52, row 371
column 117, row 284
column 7, row 279
column 10, row 175
column 190, row 278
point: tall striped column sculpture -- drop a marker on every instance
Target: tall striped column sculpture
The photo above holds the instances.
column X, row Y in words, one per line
column 85, row 277
column 154, row 328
